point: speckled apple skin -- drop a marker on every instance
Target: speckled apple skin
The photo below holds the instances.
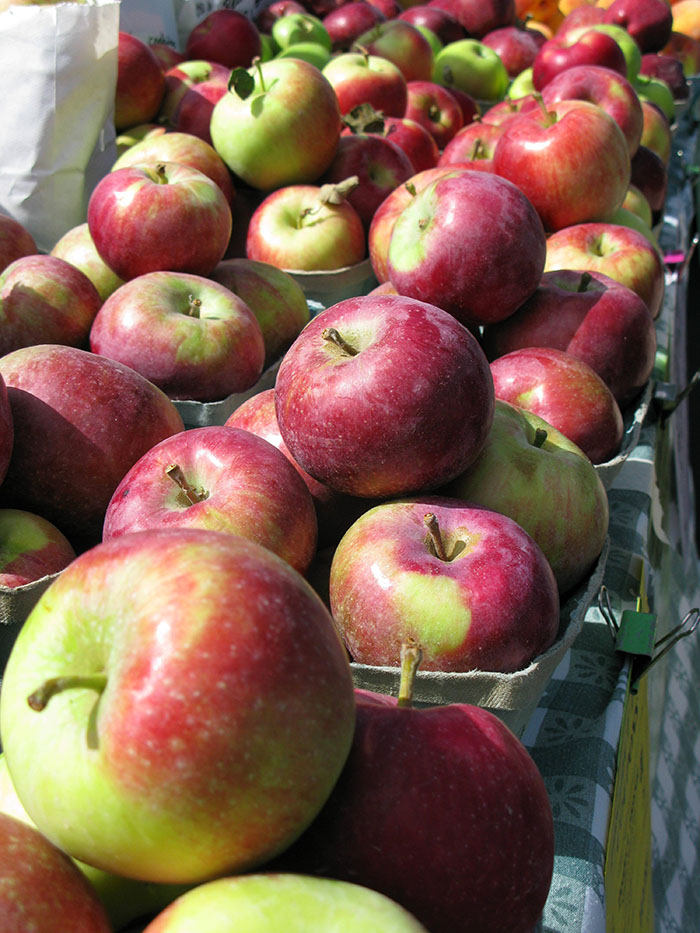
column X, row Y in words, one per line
column 492, row 606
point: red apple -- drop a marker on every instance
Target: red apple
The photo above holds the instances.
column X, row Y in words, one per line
column 191, row 337
column 479, row 17
column 686, row 49
column 180, row 78
column 619, row 252
column 185, row 149
column 656, row 131
column 445, row 26
column 580, row 16
column 509, row 107
column 80, row 422
column 345, row 23
column 517, row 46
column 566, row 393
column 389, row 8
column 590, row 316
column 473, row 785
column 531, row 472
column 41, row 884
column 603, row 87
column 415, row 140
column 401, row 43
column 649, row 173
column 559, row 53
column 435, row 108
column 167, row 55
column 222, row 479
column 226, row 36
column 44, row 299
column 427, row 369
column 570, row 159
column 475, row 143
column 275, row 298
column 140, row 83
column 359, row 78
column 649, row 22
column 30, row 548
column 668, row 69
column 15, row 241
column 77, row 247
column 268, row 14
column 138, row 217
column 379, row 165
column 304, row 227
column 470, row 243
column 193, row 114
column 467, row 584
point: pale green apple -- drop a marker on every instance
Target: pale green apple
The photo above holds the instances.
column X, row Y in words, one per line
column 293, row 28
column 521, row 85
column 657, row 92
column 472, row 67
column 315, row 53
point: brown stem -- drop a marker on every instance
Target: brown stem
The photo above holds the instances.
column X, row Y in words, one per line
column 194, row 306
column 330, row 333
column 41, row 696
column 433, row 527
column 193, row 493
column 540, row 437
column 411, row 656
column 584, row 282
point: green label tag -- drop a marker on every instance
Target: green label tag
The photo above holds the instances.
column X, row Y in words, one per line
column 636, row 633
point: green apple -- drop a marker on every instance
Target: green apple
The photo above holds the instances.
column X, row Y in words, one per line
column 657, row 92
column 521, row 85
column 177, row 706
column 268, row 903
column 268, row 47
column 300, row 27
column 433, row 40
column 472, row 67
column 315, row 53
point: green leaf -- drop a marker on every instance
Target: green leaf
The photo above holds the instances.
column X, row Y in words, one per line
column 242, row 82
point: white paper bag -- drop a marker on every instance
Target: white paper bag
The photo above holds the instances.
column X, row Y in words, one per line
column 58, row 77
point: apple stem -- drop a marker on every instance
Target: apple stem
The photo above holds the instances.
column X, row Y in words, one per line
column 257, row 64
column 549, row 118
column 584, row 282
column 477, row 150
column 194, row 306
column 433, row 527
column 193, row 493
column 540, row 437
column 411, row 656
column 41, row 696
column 330, row 333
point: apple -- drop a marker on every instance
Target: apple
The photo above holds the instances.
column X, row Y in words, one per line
column 475, row 143
column 479, row 17
column 265, row 17
column 435, row 108
column 656, row 131
column 379, row 165
column 300, row 27
column 140, row 82
column 629, row 218
column 668, row 69
column 77, row 247
column 471, row 243
column 470, row 107
column 138, row 216
column 570, row 158
column 167, row 55
column 465, row 583
column 559, row 53
column 566, row 393
column 617, row 251
column 225, row 36
column 7, row 431
column 222, row 727
column 15, row 241
column 630, row 49
column 517, row 46
column 471, row 67
column 307, row 227
column 508, row 108
column 686, row 50
column 185, row 149
column 384, row 395
column 603, row 87
column 649, row 173
column 389, row 8
column 658, row 92
column 311, row 52
column 441, row 23
column 275, row 298
column 415, row 140
column 180, row 78
column 590, row 316
column 30, row 548
column 359, row 78
column 188, row 335
column 401, row 43
column 222, row 479
column 193, row 114
column 522, row 85
column 686, row 18
column 636, row 202
column 348, row 21
column 44, row 299
column 472, row 785
column 335, row 512
column 294, row 902
column 80, row 422
column 41, row 884
column 531, row 472
column 262, row 126
column 379, row 233
column 649, row 22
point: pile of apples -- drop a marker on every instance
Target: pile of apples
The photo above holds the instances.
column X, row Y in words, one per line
column 419, row 489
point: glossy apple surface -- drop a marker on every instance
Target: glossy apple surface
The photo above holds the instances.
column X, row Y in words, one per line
column 649, row 22
column 183, row 76
column 565, row 392
column 77, row 247
column 136, row 216
column 220, row 728
column 80, row 422
column 140, row 82
column 562, row 52
column 470, row 243
column 517, row 47
column 436, row 108
column 534, row 474
column 471, row 67
column 348, row 21
column 222, row 479
column 481, row 597
column 30, row 548
column 225, row 36
column 382, row 395
column 357, row 78
column 415, row 140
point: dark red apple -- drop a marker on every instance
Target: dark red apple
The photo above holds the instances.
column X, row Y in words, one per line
column 140, row 83
column 226, row 36
column 649, row 22
column 445, row 26
column 669, row 69
column 15, row 241
column 347, row 22
column 517, row 46
column 435, row 108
